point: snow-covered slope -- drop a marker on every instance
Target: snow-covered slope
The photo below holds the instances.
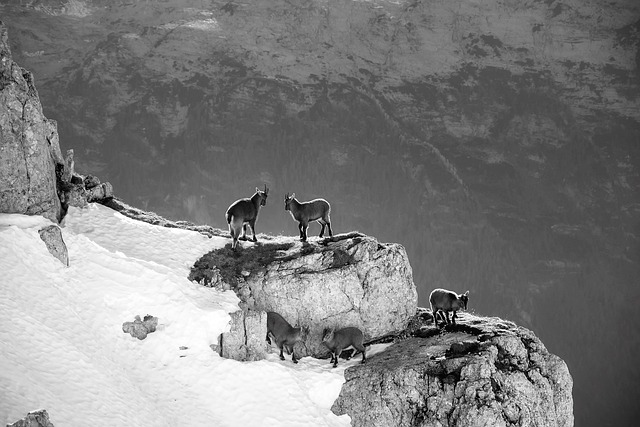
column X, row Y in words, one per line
column 62, row 347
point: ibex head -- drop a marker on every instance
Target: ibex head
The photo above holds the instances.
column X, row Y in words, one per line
column 287, row 201
column 263, row 195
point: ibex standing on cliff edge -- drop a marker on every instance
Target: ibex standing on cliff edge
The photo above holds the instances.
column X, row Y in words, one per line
column 303, row 212
column 243, row 212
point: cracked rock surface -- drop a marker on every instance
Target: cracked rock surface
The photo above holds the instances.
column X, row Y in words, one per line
column 29, row 147
column 350, row 280
column 483, row 372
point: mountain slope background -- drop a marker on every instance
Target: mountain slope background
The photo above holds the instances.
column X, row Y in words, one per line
column 496, row 140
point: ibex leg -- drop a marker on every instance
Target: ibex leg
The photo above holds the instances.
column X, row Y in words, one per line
column 244, row 232
column 253, row 230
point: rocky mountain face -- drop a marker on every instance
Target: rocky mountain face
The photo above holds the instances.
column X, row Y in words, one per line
column 29, row 148
column 347, row 280
column 495, row 140
column 483, row 372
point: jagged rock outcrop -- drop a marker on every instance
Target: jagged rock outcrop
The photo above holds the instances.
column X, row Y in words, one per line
column 481, row 372
column 52, row 237
column 140, row 328
column 29, row 147
column 35, row 179
column 34, row 419
column 347, row 280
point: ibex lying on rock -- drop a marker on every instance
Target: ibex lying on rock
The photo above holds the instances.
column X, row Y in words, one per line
column 314, row 210
column 243, row 212
column 344, row 339
column 283, row 333
column 446, row 301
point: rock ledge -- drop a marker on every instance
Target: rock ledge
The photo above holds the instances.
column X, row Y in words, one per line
column 482, row 372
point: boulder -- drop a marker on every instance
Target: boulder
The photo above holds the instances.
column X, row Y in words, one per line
column 481, row 372
column 347, row 280
column 91, row 181
column 52, row 238
column 351, row 280
column 34, row 419
column 99, row 192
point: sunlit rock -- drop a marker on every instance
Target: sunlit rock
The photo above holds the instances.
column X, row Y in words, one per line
column 347, row 280
column 29, row 147
column 481, row 372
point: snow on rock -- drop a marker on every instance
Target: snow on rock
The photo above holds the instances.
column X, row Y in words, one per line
column 63, row 348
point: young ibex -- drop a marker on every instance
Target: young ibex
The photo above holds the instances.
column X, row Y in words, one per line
column 283, row 334
column 243, row 212
column 446, row 301
column 344, row 339
column 314, row 210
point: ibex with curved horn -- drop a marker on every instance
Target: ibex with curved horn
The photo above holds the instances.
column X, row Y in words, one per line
column 244, row 212
column 314, row 210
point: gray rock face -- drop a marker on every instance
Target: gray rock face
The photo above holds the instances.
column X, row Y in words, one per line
column 484, row 372
column 246, row 338
column 52, row 237
column 29, row 147
column 34, row 419
column 348, row 280
column 351, row 281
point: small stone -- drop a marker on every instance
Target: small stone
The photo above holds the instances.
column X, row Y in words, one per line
column 34, row 419
column 91, row 181
column 52, row 238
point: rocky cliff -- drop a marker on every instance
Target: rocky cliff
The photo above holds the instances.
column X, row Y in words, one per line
column 495, row 140
column 347, row 280
column 29, row 147
column 481, row 372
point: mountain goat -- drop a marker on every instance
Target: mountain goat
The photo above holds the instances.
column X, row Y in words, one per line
column 344, row 339
column 314, row 210
column 283, row 334
column 446, row 301
column 244, row 212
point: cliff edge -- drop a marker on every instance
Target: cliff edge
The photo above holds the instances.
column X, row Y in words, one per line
column 485, row 371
